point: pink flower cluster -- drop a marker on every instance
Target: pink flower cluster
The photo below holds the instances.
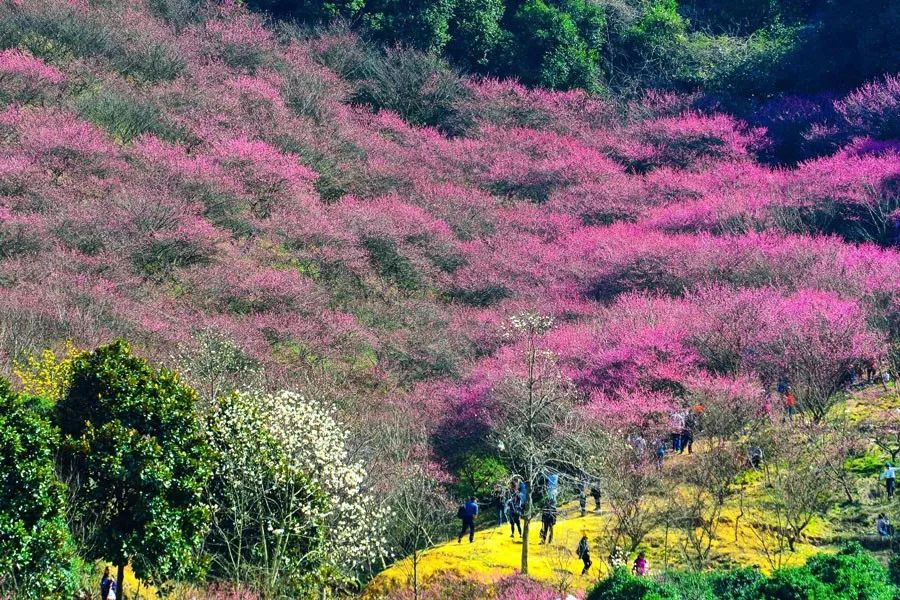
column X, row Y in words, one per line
column 317, row 234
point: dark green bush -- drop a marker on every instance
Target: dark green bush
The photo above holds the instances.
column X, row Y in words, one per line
column 125, row 118
column 740, row 584
column 482, row 297
column 157, row 258
column 390, row 264
column 622, row 586
column 151, row 63
column 82, row 237
column 794, row 584
column 852, row 573
column 477, row 476
column 36, row 551
column 18, row 240
column 419, row 87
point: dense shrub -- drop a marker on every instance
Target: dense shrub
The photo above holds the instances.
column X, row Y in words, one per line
column 392, row 265
column 125, row 118
column 36, row 551
column 132, row 439
column 623, row 586
column 852, row 573
column 419, row 87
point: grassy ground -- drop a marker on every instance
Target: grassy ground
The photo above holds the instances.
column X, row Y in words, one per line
column 742, row 527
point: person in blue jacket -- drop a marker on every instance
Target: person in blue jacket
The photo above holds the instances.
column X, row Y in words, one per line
column 467, row 513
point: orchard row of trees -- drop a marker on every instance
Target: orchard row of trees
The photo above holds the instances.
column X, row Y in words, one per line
column 743, row 49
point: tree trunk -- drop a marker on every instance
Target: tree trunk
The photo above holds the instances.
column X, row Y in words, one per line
column 525, row 524
column 120, row 581
column 415, row 566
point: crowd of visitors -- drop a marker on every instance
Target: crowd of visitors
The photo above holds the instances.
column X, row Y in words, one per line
column 685, row 423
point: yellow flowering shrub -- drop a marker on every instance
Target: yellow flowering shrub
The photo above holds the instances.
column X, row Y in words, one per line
column 47, row 375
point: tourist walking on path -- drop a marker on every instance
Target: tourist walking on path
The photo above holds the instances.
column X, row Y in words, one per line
column 890, row 481
column 499, row 499
column 548, row 520
column 660, row 454
column 514, row 513
column 790, row 404
column 595, row 494
column 677, row 423
column 105, row 584
column 582, row 500
column 467, row 513
column 687, row 434
column 584, row 553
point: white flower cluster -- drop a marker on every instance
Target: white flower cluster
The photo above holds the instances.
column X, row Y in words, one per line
column 315, row 445
column 530, row 322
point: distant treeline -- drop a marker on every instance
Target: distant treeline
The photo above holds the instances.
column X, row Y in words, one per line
column 737, row 49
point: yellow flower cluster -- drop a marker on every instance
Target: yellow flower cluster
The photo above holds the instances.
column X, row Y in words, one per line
column 47, row 376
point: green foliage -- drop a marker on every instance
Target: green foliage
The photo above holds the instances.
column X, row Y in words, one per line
column 124, row 118
column 478, row 475
column 867, row 465
column 739, row 584
column 794, row 584
column 852, row 573
column 743, row 50
column 55, row 35
column 621, row 585
column 312, row 11
column 556, row 46
column 476, row 32
column 422, row 24
column 138, row 461
column 421, row 88
column 392, row 265
column 894, row 569
column 36, row 552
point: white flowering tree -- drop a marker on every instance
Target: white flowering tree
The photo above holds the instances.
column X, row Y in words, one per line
column 290, row 511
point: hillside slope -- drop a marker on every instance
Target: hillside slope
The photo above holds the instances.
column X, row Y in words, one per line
column 744, row 538
column 267, row 207
column 163, row 177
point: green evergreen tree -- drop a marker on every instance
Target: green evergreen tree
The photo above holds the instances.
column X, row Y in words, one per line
column 137, row 462
column 36, row 550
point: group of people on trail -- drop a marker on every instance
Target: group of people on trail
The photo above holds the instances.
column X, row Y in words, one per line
column 684, row 424
column 870, row 373
column 510, row 501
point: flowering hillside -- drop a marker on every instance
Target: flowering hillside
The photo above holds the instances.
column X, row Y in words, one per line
column 267, row 201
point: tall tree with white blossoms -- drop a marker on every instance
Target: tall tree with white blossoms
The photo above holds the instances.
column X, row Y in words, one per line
column 290, row 510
